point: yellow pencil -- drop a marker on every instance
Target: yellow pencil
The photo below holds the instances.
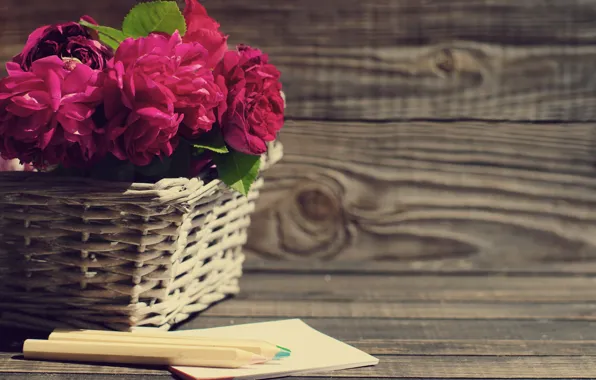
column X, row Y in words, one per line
column 136, row 353
column 259, row 347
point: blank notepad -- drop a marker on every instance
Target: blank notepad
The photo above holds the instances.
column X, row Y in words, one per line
column 311, row 351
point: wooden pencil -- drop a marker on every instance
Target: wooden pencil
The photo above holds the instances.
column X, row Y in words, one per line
column 137, row 353
column 259, row 347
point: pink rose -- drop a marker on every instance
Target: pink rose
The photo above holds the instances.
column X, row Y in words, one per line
column 67, row 40
column 46, row 113
column 203, row 29
column 142, row 134
column 253, row 111
column 153, row 84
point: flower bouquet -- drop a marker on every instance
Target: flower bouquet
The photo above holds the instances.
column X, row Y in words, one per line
column 147, row 143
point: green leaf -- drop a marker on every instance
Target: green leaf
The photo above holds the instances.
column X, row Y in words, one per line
column 157, row 16
column 237, row 170
column 212, row 141
column 214, row 148
column 109, row 36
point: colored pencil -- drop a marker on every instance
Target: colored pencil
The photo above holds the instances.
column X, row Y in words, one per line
column 259, row 347
column 136, row 353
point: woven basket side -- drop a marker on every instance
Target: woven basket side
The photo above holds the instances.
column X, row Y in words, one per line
column 101, row 258
column 210, row 260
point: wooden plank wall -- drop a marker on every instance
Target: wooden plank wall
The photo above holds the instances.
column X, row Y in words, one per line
column 425, row 133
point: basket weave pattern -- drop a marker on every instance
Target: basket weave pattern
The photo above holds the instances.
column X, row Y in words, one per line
column 89, row 254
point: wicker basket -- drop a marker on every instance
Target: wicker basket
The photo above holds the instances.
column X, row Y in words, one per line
column 91, row 254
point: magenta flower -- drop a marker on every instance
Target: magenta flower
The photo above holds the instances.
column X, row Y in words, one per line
column 253, row 112
column 142, row 134
column 46, row 113
column 155, row 83
column 203, row 29
column 67, row 40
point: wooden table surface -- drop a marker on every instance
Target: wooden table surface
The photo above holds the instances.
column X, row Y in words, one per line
column 427, row 324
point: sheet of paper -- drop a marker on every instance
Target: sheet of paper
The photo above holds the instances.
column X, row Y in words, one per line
column 311, row 351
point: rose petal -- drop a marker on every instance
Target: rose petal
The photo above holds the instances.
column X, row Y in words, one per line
column 78, row 79
column 203, row 29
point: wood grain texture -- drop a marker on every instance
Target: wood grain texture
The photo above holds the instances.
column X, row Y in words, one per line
column 414, row 339
column 407, row 287
column 395, row 59
column 429, row 329
column 475, row 347
column 459, row 195
column 390, row 366
column 402, row 59
column 404, row 310
column 478, row 367
column 352, row 329
column 256, row 264
column 344, row 23
column 78, row 376
column 441, row 81
column 382, row 23
column 50, row 376
column 11, row 363
column 427, row 357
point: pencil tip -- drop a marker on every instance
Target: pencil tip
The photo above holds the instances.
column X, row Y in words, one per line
column 284, row 349
column 258, row 359
column 281, row 354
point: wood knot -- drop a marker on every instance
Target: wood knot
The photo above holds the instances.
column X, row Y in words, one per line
column 307, row 221
column 445, row 62
column 317, row 205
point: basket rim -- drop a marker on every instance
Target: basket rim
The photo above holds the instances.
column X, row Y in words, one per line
column 167, row 190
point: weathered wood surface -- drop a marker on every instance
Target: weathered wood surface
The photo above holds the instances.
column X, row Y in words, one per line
column 351, row 328
column 303, row 309
column 479, row 237
column 402, row 59
column 456, row 347
column 76, row 376
column 478, row 367
column 345, row 23
column 461, row 195
column 443, row 80
column 406, row 267
column 414, row 336
column 395, row 59
column 401, row 287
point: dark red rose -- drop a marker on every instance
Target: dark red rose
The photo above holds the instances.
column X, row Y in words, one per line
column 90, row 52
column 253, row 111
column 67, row 40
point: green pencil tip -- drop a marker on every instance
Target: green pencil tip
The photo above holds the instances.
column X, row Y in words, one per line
column 281, row 354
column 284, row 349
